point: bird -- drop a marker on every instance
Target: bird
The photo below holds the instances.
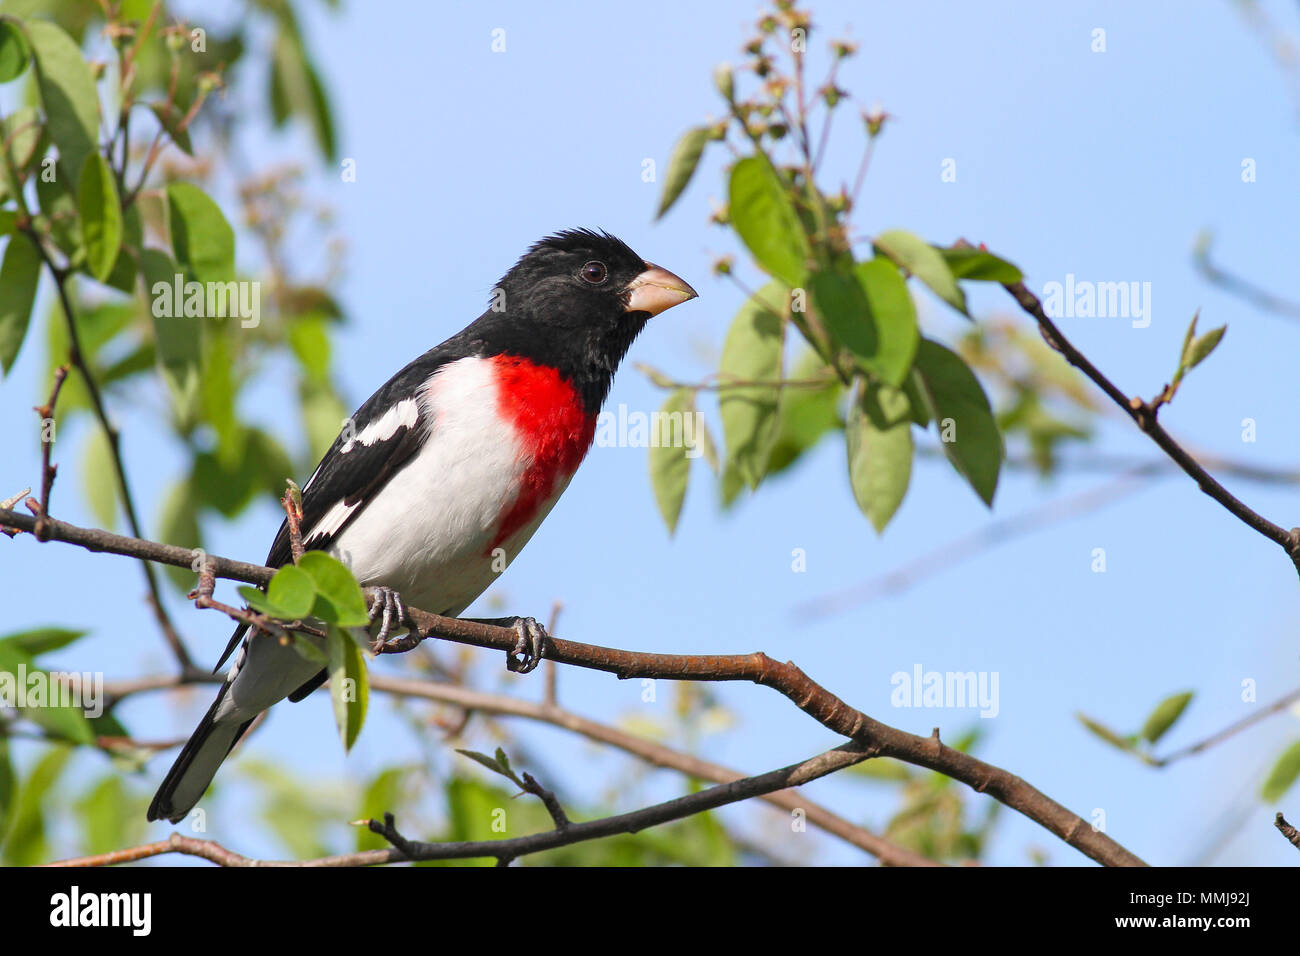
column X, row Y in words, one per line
column 439, row 479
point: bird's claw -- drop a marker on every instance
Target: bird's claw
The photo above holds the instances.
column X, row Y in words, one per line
column 527, row 652
column 387, row 606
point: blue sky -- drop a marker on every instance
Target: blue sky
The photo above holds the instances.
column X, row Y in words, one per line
column 1103, row 165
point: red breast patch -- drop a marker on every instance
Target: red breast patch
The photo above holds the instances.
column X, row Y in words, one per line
column 553, row 429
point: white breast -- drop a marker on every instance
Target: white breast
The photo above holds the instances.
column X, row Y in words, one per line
column 428, row 532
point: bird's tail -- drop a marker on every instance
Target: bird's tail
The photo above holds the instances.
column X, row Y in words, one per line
column 197, row 764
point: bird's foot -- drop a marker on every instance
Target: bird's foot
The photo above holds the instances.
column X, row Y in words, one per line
column 388, row 607
column 527, row 652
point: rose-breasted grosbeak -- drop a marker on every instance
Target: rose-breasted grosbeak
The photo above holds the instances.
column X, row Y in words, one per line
column 450, row 467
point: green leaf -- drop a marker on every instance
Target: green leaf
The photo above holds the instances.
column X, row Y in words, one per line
column 22, row 130
column 177, row 337
column 894, row 315
column 752, row 352
column 730, row 484
column 306, row 645
column 1283, row 775
column 296, row 88
column 349, row 688
column 1163, row 717
column 8, row 788
column 178, row 524
column 1200, row 349
column 914, row 389
column 109, row 816
column 100, row 214
column 968, row 433
column 337, row 589
column 924, row 261
column 878, row 435
column 19, row 273
column 68, row 93
column 41, row 640
column 61, row 722
column 670, row 469
column 322, row 410
column 25, row 843
column 310, row 340
column 322, row 120
column 842, row 304
column 766, row 220
column 708, row 449
column 881, row 770
column 125, row 269
column 980, row 266
column 293, row 591
column 681, row 167
column 99, row 478
column 1194, row 351
column 169, row 118
column 273, row 465
column 13, row 52
column 202, row 239
column 497, row 764
column 258, row 600
column 804, row 414
column 1105, row 733
column 384, row 795
column 64, row 723
column 59, row 206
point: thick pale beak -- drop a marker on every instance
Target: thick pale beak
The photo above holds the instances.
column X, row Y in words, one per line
column 657, row 289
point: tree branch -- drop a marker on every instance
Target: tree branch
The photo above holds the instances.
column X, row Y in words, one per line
column 758, row 668
column 1143, row 414
column 510, row 849
column 651, row 752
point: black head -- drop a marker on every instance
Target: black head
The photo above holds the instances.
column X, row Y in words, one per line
column 576, row 300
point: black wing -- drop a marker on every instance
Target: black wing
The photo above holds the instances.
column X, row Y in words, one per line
column 353, row 477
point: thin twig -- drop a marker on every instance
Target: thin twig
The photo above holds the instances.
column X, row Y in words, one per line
column 48, row 470
column 1144, row 416
column 552, row 676
column 549, row 800
column 1243, row 288
column 78, row 359
column 293, row 517
column 634, row 822
column 1231, row 730
column 1288, row 831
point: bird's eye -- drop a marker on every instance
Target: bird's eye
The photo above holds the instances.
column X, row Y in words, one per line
column 594, row 272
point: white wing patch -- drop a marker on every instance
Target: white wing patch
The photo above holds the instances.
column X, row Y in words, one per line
column 331, row 521
column 402, row 415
